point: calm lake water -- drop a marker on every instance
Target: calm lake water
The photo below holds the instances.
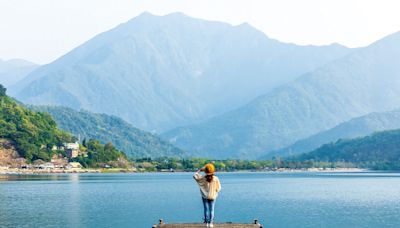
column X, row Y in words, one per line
column 139, row 200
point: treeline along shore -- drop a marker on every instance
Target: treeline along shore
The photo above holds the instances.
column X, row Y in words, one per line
column 165, row 164
column 234, row 165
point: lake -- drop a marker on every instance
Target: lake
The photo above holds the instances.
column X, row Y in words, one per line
column 139, row 200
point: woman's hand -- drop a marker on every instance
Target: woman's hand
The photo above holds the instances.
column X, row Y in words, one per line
column 201, row 169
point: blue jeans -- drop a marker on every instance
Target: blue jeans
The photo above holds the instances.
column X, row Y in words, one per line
column 208, row 210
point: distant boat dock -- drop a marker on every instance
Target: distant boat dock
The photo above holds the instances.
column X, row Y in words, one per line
column 161, row 224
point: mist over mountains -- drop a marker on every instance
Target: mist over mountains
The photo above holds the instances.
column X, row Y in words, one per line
column 222, row 91
column 365, row 81
column 161, row 72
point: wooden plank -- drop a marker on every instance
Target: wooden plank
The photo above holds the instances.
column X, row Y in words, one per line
column 202, row 225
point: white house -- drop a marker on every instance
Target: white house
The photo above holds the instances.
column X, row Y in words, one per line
column 72, row 146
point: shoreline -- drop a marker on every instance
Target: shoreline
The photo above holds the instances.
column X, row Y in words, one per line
column 16, row 171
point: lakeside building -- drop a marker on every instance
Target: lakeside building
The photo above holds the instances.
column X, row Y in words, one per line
column 72, row 153
column 72, row 149
column 73, row 165
column 71, row 146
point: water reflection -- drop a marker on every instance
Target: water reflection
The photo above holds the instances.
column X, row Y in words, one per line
column 73, row 202
column 137, row 177
column 34, row 177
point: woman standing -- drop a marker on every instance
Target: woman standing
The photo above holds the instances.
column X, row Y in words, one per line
column 209, row 187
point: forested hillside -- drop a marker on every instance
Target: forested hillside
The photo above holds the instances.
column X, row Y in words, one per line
column 134, row 142
column 356, row 127
column 35, row 135
column 380, row 151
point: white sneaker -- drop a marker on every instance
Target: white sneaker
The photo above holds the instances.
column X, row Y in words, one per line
column 211, row 225
column 208, row 225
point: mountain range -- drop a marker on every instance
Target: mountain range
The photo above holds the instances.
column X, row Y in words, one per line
column 354, row 128
column 365, row 81
column 162, row 72
column 217, row 90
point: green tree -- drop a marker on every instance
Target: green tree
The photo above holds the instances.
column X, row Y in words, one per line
column 2, row 90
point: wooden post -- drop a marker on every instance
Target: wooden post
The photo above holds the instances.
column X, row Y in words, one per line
column 256, row 222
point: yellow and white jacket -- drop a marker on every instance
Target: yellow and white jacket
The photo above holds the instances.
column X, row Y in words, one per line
column 209, row 190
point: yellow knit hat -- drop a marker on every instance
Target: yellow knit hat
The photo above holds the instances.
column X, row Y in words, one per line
column 209, row 169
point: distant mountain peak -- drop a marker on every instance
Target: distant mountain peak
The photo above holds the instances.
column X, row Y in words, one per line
column 21, row 62
column 175, row 14
column 13, row 70
column 147, row 70
column 150, row 16
column 245, row 25
column 335, row 44
column 146, row 14
column 18, row 62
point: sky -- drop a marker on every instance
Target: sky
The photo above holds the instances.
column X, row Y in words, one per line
column 43, row 30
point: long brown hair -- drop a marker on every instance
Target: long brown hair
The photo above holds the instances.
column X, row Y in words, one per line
column 209, row 177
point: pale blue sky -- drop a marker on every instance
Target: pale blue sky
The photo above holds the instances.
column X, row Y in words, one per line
column 42, row 30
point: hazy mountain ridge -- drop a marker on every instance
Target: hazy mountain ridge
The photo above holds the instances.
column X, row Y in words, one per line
column 14, row 70
column 365, row 81
column 357, row 127
column 162, row 72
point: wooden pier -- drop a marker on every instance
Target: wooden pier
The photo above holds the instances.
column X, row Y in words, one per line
column 161, row 224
